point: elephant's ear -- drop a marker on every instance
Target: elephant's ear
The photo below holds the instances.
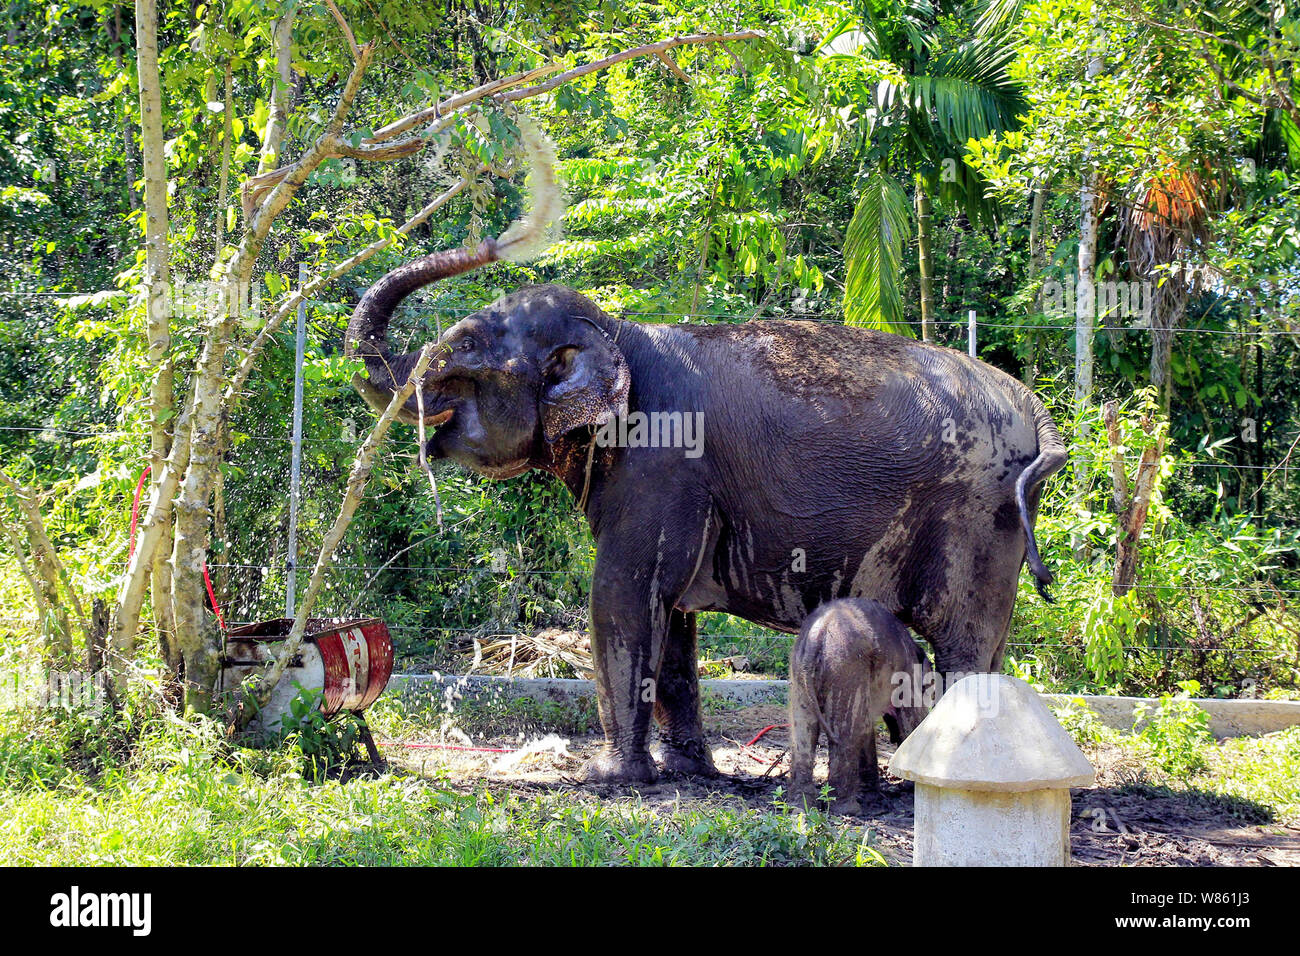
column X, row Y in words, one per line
column 586, row 384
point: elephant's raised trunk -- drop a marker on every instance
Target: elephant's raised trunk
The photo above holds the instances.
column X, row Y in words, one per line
column 367, row 336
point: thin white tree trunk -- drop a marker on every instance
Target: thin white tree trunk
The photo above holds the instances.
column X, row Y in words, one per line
column 1085, row 298
column 1086, row 292
column 158, row 327
column 223, row 175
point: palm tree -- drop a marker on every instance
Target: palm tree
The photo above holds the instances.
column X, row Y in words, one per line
column 936, row 95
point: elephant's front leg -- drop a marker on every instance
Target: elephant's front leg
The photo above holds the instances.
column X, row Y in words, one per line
column 677, row 702
column 629, row 625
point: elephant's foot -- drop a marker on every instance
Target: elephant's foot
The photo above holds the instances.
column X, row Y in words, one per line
column 846, row 806
column 610, row 766
column 873, row 803
column 691, row 759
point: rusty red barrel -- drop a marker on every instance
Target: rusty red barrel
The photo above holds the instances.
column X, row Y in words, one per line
column 349, row 661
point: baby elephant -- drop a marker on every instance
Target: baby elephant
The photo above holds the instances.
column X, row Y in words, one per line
column 851, row 658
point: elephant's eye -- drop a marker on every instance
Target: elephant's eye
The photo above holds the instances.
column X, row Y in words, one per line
column 466, row 345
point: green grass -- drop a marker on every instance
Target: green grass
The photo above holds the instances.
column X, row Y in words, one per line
column 1265, row 770
column 165, row 791
column 145, row 787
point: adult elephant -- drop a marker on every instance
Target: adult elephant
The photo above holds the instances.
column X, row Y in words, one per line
column 835, row 462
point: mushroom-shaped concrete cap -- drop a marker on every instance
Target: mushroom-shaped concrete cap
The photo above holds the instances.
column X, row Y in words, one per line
column 992, row 732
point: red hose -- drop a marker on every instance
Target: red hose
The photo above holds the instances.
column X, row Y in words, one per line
column 135, row 520
column 135, row 508
column 759, row 735
column 221, row 621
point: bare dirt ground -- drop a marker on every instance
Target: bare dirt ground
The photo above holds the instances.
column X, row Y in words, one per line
column 1121, row 821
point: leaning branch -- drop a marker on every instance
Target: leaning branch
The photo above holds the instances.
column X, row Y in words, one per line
column 649, row 49
column 447, row 112
column 279, row 185
column 356, row 487
column 49, row 570
column 347, row 30
column 20, row 554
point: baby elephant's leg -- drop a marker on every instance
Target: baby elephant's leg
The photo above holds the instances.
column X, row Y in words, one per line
column 845, row 774
column 870, row 763
column 804, row 731
column 871, row 797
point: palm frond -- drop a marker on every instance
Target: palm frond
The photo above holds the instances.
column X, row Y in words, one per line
column 965, row 93
column 992, row 16
column 873, row 251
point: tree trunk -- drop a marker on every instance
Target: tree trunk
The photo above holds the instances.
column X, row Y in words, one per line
column 150, row 557
column 196, row 641
column 926, row 263
column 1085, row 311
column 1035, row 267
column 1035, row 233
column 128, row 141
column 1132, row 508
column 1086, row 293
column 223, row 174
column 192, row 530
column 158, row 327
column 1168, row 306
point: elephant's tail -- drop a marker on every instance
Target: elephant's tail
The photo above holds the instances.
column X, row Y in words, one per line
column 800, row 674
column 1051, row 457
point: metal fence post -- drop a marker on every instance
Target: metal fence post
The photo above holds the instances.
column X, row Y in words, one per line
column 970, row 333
column 295, row 466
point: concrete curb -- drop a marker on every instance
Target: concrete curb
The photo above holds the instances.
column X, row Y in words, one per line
column 744, row 693
column 1228, row 718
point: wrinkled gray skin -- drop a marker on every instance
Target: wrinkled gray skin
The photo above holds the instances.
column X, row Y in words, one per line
column 837, row 462
column 852, row 664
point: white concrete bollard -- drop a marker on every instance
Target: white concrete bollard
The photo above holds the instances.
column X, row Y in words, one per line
column 993, row 771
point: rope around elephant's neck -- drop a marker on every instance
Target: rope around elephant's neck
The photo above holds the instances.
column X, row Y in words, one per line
column 586, row 481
